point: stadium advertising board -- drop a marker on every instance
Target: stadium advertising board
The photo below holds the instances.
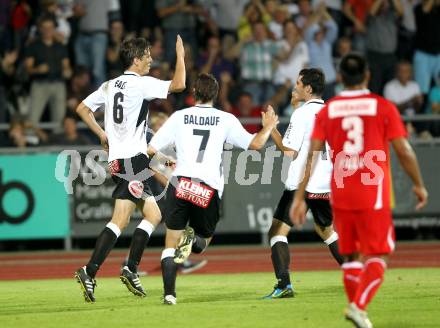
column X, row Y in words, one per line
column 33, row 204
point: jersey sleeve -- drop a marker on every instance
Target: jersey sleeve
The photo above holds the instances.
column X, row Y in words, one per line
column 237, row 135
column 153, row 88
column 294, row 136
column 393, row 123
column 319, row 127
column 96, row 99
column 166, row 135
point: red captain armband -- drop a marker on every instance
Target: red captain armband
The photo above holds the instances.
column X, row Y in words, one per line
column 325, row 196
column 114, row 167
column 194, row 192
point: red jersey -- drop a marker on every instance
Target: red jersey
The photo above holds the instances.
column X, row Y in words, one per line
column 358, row 126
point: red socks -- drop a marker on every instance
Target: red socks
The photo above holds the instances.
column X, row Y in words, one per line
column 370, row 281
column 352, row 272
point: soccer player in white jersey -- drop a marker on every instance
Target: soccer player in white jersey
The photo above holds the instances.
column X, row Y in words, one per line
column 125, row 102
column 193, row 196
column 295, row 144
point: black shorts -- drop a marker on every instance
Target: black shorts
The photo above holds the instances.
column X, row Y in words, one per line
column 180, row 212
column 321, row 210
column 133, row 185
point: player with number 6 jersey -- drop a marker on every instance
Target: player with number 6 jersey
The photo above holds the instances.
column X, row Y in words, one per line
column 359, row 126
column 125, row 104
column 193, row 196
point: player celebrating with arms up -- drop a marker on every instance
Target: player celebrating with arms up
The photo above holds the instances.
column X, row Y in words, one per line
column 125, row 101
column 193, row 196
column 358, row 126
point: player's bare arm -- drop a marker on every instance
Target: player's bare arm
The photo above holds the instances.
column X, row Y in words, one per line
column 298, row 210
column 179, row 78
column 87, row 116
column 408, row 160
column 269, row 122
column 278, row 139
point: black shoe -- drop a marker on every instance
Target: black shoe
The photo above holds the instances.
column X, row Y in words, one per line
column 87, row 284
column 131, row 280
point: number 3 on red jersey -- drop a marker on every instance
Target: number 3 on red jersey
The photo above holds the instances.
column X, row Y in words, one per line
column 355, row 134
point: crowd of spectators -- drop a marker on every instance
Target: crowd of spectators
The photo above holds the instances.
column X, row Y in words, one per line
column 53, row 53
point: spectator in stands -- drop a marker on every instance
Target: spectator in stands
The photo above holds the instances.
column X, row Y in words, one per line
column 23, row 134
column 254, row 12
column 356, row 12
column 91, row 41
column 295, row 57
column 5, row 18
column 48, row 65
column 334, row 8
column 256, row 63
column 280, row 17
column 115, row 67
column 305, row 12
column 320, row 36
column 212, row 61
column 427, row 44
column 246, row 108
column 63, row 30
column 70, row 135
column 21, row 15
column 434, row 107
column 403, row 91
column 226, row 14
column 178, row 17
column 343, row 48
column 79, row 88
column 407, row 30
column 7, row 69
column 405, row 94
column 382, row 34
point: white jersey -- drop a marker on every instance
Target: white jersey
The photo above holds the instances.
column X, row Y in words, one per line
column 199, row 133
column 297, row 137
column 125, row 100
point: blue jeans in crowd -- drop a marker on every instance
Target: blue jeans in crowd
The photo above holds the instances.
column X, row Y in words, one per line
column 90, row 51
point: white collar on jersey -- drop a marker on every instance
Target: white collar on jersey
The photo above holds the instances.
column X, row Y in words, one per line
column 314, row 101
column 131, row 73
column 354, row 93
column 203, row 105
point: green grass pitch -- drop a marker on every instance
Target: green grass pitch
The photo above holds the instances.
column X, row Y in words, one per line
column 408, row 298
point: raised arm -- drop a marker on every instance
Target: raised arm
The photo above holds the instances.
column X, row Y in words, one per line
column 178, row 82
column 278, row 139
column 269, row 121
column 408, row 161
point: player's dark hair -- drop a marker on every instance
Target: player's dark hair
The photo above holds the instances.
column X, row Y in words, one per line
column 131, row 49
column 206, row 88
column 353, row 69
column 314, row 77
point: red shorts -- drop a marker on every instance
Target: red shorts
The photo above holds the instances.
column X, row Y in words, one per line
column 368, row 232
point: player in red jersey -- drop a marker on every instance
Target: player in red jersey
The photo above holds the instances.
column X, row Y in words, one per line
column 358, row 125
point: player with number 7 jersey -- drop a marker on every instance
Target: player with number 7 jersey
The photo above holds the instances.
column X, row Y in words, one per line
column 193, row 196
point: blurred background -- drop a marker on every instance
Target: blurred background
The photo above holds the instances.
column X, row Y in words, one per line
column 53, row 53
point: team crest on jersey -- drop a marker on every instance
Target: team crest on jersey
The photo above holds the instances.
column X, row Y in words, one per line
column 194, row 192
column 136, row 188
